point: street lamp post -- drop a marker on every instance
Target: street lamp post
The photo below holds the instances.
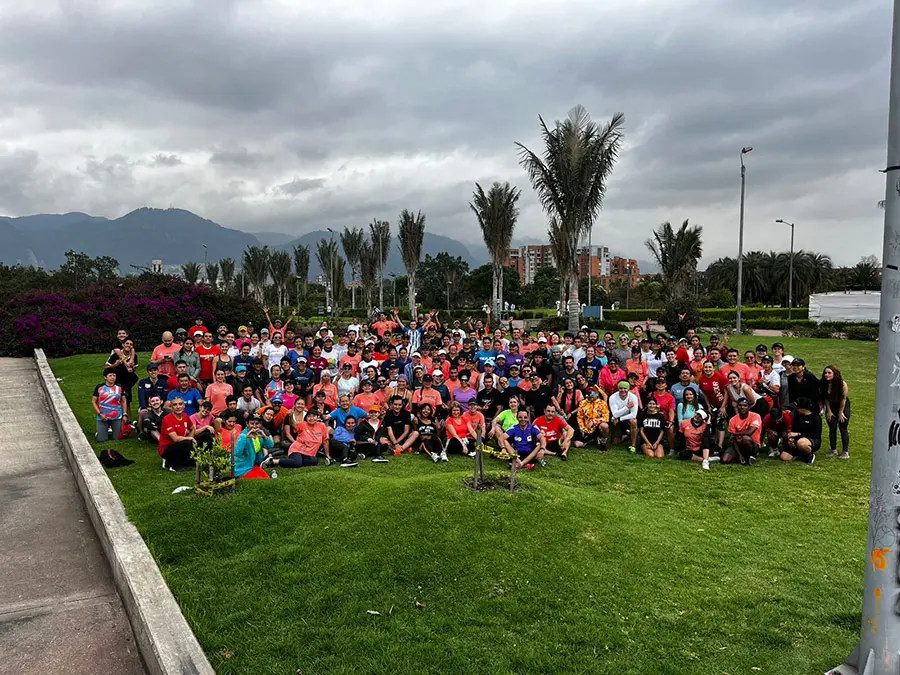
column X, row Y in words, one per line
column 394, row 287
column 205, row 262
column 740, row 279
column 449, row 283
column 381, row 272
column 627, row 283
column 791, row 276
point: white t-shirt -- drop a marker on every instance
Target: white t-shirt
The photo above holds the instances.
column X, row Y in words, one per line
column 355, row 327
column 273, row 354
column 365, row 364
column 347, row 386
column 333, row 358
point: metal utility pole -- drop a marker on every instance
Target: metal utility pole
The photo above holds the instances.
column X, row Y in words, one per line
column 791, row 277
column 381, row 272
column 331, row 265
column 740, row 279
column 590, row 262
column 394, row 287
column 878, row 651
column 627, row 283
column 448, row 295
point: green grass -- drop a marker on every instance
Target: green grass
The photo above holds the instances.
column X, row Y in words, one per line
column 605, row 564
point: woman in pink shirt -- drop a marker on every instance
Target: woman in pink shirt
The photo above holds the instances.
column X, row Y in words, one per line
column 218, row 391
column 310, row 436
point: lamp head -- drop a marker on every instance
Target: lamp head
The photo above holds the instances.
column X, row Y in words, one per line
column 746, row 149
column 779, row 221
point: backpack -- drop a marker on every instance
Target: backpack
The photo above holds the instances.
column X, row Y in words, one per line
column 111, row 459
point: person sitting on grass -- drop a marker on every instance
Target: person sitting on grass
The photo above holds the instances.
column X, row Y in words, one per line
column 556, row 432
column 251, row 449
column 230, row 409
column 396, row 434
column 652, row 427
column 110, row 406
column 311, row 438
column 229, row 430
column 460, row 433
column 505, row 419
column 745, row 429
column 591, row 420
column 247, row 404
column 204, row 424
column 805, row 436
column 776, row 426
column 696, row 440
column 343, row 442
column 150, row 420
column 525, row 442
column 475, row 418
column 176, row 439
column 367, row 433
column 623, row 411
column 273, row 417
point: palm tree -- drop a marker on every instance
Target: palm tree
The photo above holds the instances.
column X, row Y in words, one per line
column 256, row 270
column 865, row 275
column 191, row 272
column 212, row 274
column 327, row 255
column 368, row 263
column 563, row 254
column 410, row 236
column 280, row 269
column 497, row 213
column 570, row 180
column 676, row 252
column 352, row 241
column 380, row 231
column 722, row 273
column 301, row 268
column 226, row 266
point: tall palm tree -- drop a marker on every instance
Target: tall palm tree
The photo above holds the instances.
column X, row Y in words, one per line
column 676, row 252
column 212, row 274
column 570, row 179
column 301, row 269
column 352, row 241
column 497, row 212
column 722, row 273
column 380, row 231
column 226, row 266
column 280, row 270
column 256, row 270
column 410, row 236
column 368, row 263
column 563, row 255
column 191, row 272
column 328, row 257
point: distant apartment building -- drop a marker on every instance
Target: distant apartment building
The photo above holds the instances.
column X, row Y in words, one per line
column 621, row 270
column 593, row 261
column 527, row 260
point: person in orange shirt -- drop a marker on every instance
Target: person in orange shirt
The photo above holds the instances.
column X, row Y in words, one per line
column 164, row 354
column 230, row 431
column 353, row 358
column 218, row 391
column 742, row 369
column 367, row 397
column 328, row 387
column 637, row 366
column 745, row 429
column 695, row 441
column 310, row 436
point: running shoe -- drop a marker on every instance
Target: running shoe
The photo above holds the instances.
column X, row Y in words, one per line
column 380, row 460
column 348, row 465
column 705, row 465
column 844, row 455
column 444, row 456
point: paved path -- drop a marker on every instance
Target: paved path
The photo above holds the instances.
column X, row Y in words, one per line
column 59, row 611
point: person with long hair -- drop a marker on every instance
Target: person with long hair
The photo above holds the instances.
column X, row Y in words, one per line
column 190, row 356
column 836, row 397
column 567, row 398
column 738, row 389
column 688, row 407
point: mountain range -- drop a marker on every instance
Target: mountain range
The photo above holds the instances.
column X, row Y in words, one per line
column 174, row 236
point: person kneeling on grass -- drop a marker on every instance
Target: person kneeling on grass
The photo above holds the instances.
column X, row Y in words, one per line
column 805, row 436
column 150, row 420
column 745, row 429
column 652, row 425
column 696, row 439
column 176, row 438
column 251, row 449
column 556, row 432
column 427, row 441
column 311, row 436
column 591, row 420
column 525, row 441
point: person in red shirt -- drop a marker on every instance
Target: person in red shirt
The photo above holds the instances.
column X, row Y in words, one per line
column 681, row 353
column 610, row 376
column 666, row 403
column 556, row 431
column 383, row 326
column 176, row 439
column 198, row 329
column 208, row 353
column 775, row 425
column 714, row 386
column 745, row 429
column 695, row 441
column 229, row 431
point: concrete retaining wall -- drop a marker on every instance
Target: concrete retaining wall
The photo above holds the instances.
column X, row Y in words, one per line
column 167, row 644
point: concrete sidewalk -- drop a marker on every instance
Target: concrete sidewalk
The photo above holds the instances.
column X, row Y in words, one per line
column 59, row 611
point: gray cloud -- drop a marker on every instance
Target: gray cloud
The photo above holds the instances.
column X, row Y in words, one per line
column 411, row 110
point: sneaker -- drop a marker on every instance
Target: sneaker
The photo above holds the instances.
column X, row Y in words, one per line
column 543, row 462
column 181, row 468
column 380, row 460
column 774, row 452
column 632, row 449
column 435, row 457
column 444, row 456
column 705, row 465
column 844, row 455
column 671, row 452
column 833, row 453
column 348, row 464
column 812, row 458
column 328, row 461
column 266, row 462
column 360, row 456
column 397, row 453
column 604, row 445
column 713, row 460
column 750, row 460
column 563, row 458
column 530, row 467
column 472, row 454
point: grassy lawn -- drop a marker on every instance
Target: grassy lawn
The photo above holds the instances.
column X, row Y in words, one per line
column 605, row 564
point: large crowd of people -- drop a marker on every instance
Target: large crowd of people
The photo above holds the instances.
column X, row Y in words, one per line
column 294, row 397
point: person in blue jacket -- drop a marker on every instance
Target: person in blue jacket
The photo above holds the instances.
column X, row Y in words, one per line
column 251, row 447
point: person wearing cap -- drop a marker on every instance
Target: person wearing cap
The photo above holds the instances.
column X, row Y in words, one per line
column 745, row 430
column 164, row 354
column 347, row 383
column 251, row 449
column 500, row 367
column 803, row 384
column 243, row 337
column 367, row 397
column 153, row 384
column 623, row 411
column 427, row 395
column 180, row 336
column 696, row 441
column 367, row 433
column 273, row 417
column 780, row 360
column 464, row 393
column 591, row 421
column 769, row 382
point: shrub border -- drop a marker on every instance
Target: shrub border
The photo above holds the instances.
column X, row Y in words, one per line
column 167, row 644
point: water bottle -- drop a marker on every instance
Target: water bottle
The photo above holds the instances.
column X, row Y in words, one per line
column 274, row 474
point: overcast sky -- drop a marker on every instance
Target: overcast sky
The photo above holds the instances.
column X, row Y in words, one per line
column 289, row 116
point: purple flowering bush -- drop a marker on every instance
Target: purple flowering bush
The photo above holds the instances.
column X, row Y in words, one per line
column 85, row 320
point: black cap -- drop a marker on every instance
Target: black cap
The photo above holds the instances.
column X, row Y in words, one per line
column 153, row 365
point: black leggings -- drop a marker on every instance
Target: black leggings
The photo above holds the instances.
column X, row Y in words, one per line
column 205, row 439
column 297, row 460
column 179, row 454
column 343, row 451
column 834, row 425
column 454, row 445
